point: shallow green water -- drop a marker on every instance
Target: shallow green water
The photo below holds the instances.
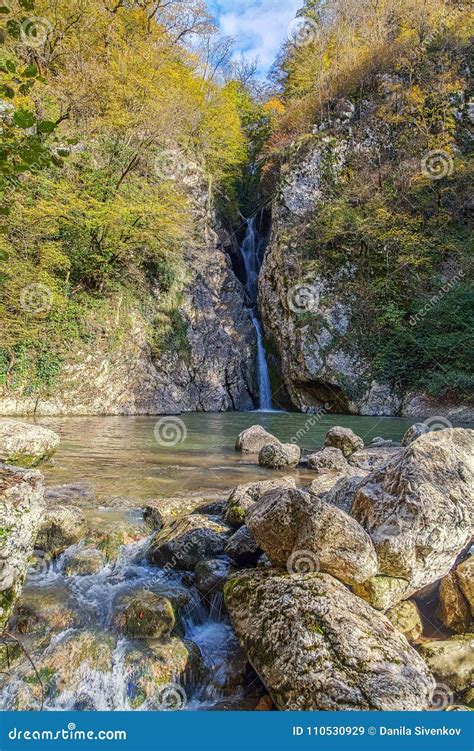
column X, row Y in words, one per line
column 120, row 456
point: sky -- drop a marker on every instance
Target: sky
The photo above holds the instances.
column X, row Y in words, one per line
column 260, row 26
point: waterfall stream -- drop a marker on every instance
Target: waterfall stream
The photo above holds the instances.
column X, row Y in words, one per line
column 249, row 250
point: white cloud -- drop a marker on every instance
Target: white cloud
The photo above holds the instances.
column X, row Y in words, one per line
column 260, row 26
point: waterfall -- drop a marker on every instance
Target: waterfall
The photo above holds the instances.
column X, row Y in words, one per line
column 249, row 250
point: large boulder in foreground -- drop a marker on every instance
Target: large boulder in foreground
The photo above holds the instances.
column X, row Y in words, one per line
column 21, row 511
column 186, row 541
column 251, row 440
column 418, row 509
column 25, row 445
column 302, row 533
column 279, row 456
column 316, row 646
column 243, row 497
column 344, row 439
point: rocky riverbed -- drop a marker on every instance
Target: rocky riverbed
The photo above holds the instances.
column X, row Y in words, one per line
column 340, row 578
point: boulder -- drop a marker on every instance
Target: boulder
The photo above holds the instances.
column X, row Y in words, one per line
column 301, row 532
column 453, row 611
column 110, row 541
column 406, row 619
column 316, row 646
column 243, row 497
column 25, row 445
column 21, row 512
column 186, row 541
column 145, row 614
column 243, row 548
column 465, row 578
column 159, row 512
column 342, row 493
column 344, row 439
column 211, row 575
column 279, row 456
column 83, row 562
column 414, row 432
column 382, row 592
column 372, row 458
column 61, row 527
column 326, row 482
column 327, row 459
column 451, row 661
column 418, row 509
column 251, row 440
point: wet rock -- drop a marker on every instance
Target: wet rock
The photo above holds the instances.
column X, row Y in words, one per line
column 25, row 445
column 342, row 493
column 251, row 440
column 406, row 619
column 418, row 509
column 145, row 615
column 159, row 512
column 152, row 670
column 451, row 661
column 110, row 541
column 21, row 512
column 382, row 592
column 318, row 647
column 453, row 611
column 243, row 497
column 344, row 439
column 371, row 458
column 279, row 456
column 325, row 483
column 328, row 459
column 211, row 575
column 61, row 527
column 186, row 541
column 301, row 532
column 465, row 578
column 41, row 613
column 84, row 562
column 66, row 667
column 71, row 494
column 243, row 548
column 414, row 432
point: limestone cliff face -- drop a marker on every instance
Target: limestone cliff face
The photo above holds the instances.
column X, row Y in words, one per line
column 316, row 319
column 212, row 369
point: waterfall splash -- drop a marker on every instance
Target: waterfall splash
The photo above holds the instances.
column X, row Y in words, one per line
column 250, row 256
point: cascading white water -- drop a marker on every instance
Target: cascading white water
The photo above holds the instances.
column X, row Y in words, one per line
column 249, row 252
